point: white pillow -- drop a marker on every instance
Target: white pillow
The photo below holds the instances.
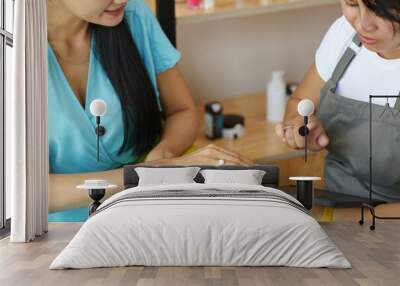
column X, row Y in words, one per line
column 248, row 177
column 163, row 176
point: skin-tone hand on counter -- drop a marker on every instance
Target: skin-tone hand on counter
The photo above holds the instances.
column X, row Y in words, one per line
column 70, row 37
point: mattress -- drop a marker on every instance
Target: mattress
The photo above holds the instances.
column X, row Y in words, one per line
column 201, row 225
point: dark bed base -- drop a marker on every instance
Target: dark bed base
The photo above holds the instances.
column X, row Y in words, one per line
column 271, row 178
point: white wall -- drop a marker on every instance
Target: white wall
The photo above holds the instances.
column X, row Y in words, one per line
column 233, row 57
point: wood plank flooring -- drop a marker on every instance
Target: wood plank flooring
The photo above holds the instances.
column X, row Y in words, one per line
column 375, row 257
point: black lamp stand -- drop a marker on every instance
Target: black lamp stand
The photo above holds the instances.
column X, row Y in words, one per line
column 370, row 204
column 96, row 195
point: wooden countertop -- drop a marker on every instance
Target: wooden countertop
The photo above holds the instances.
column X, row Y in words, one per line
column 260, row 143
column 231, row 9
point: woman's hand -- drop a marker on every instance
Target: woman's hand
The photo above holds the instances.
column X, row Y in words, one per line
column 208, row 155
column 159, row 153
column 212, row 155
column 317, row 139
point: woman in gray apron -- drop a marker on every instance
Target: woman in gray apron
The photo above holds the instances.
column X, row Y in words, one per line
column 341, row 124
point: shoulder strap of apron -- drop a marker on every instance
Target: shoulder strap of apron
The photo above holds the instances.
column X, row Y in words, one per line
column 397, row 104
column 345, row 61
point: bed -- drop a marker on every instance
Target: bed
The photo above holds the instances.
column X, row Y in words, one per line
column 201, row 224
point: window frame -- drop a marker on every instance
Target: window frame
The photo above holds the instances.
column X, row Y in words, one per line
column 6, row 39
column 165, row 10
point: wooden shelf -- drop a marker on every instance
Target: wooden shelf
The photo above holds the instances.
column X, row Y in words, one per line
column 184, row 14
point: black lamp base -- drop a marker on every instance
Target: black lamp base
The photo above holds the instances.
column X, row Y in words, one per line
column 305, row 193
column 96, row 195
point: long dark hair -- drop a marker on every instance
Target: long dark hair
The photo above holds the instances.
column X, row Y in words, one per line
column 386, row 9
column 116, row 50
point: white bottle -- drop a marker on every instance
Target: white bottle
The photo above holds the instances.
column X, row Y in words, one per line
column 209, row 4
column 276, row 97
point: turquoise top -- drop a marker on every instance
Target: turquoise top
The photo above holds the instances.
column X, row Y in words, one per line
column 72, row 137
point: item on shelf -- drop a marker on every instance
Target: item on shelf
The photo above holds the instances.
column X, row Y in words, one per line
column 213, row 120
column 233, row 126
column 193, row 3
column 276, row 97
column 209, row 4
column 239, row 3
column 226, row 2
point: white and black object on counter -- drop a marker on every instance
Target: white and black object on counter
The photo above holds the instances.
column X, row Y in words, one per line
column 213, row 120
column 291, row 88
column 98, row 108
column 305, row 108
column 276, row 97
column 96, row 190
column 305, row 190
column 233, row 126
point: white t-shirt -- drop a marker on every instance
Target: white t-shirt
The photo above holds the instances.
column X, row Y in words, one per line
column 368, row 73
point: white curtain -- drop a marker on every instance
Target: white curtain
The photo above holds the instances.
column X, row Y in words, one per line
column 26, row 124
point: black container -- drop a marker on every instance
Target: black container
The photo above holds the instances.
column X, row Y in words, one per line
column 213, row 120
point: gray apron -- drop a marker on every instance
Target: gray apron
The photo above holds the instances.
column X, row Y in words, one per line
column 346, row 122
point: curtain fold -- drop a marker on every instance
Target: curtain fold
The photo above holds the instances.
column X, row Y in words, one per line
column 26, row 117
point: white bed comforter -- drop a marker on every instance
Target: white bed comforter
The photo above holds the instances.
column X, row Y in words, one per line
column 202, row 231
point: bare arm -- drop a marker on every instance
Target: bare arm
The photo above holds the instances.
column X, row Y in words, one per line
column 64, row 195
column 182, row 122
column 310, row 88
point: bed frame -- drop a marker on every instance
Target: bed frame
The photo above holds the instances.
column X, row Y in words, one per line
column 270, row 179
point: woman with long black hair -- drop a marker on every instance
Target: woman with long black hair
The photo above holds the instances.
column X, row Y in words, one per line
column 358, row 57
column 115, row 50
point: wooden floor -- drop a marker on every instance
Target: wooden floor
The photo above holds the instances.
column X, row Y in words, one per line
column 375, row 257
